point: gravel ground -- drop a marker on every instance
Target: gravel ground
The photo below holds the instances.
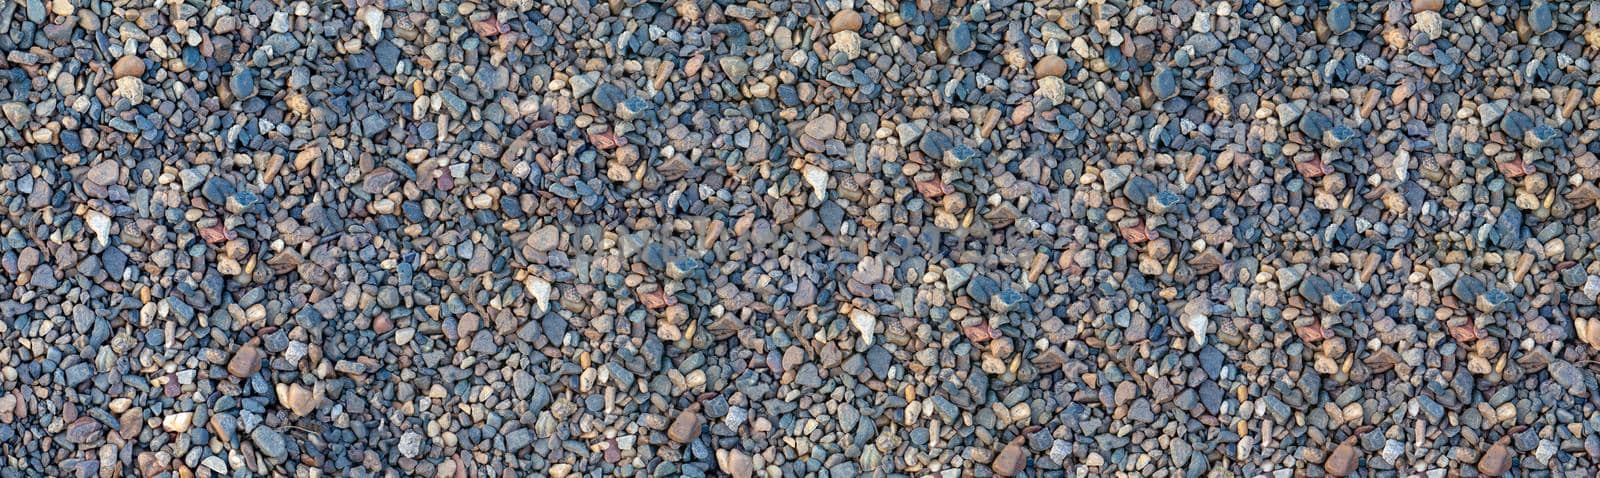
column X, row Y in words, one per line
column 929, row 238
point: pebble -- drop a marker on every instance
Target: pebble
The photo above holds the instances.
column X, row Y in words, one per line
column 243, row 83
column 1429, row 23
column 962, row 37
column 83, row 430
column 77, row 374
column 100, row 225
column 245, row 362
column 104, row 173
column 1165, row 83
column 1542, row 17
column 1050, row 66
column 178, row 422
column 736, row 464
column 269, row 443
column 1344, row 460
column 686, row 427
column 865, row 324
column 35, row 11
column 411, row 444
column 845, row 20
column 1340, row 17
column 736, row 68
column 1011, row 460
column 1495, row 461
column 299, row 399
column 127, row 66
column 822, row 127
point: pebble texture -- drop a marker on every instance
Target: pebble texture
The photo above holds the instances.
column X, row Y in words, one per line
column 930, row 238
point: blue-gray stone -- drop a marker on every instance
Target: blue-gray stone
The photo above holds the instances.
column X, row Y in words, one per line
column 387, row 55
column 243, row 82
column 554, row 326
column 77, row 374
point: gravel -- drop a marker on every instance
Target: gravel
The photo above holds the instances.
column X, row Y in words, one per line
column 839, row 238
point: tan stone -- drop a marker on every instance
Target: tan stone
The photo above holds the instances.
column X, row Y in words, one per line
column 178, row 422
column 300, row 400
column 128, row 65
column 1050, row 65
column 845, row 20
column 735, row 463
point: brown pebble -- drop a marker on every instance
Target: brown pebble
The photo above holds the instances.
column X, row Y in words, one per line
column 382, row 325
column 845, row 20
column 686, row 427
column 1011, row 459
column 1050, row 65
column 1426, row 5
column 246, row 361
column 1344, row 459
column 1496, row 461
column 128, row 66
